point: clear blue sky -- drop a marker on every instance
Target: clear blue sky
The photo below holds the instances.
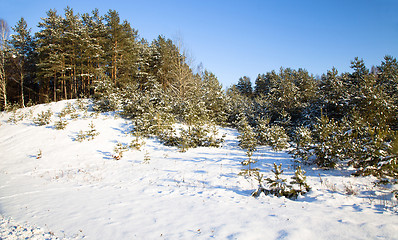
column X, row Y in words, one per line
column 248, row 37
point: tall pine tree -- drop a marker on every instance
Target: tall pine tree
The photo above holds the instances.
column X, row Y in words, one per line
column 245, row 86
column 50, row 54
column 3, row 52
column 214, row 98
column 120, row 47
column 94, row 44
column 23, row 48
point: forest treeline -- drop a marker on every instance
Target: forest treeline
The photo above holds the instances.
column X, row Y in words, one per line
column 70, row 53
column 339, row 119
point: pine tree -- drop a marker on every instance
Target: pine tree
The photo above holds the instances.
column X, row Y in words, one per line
column 388, row 76
column 278, row 184
column 93, row 56
column 329, row 142
column 22, row 47
column 163, row 53
column 120, row 48
column 284, row 91
column 189, row 107
column 214, row 98
column 50, row 54
column 370, row 148
column 368, row 96
column 262, row 85
column 244, row 86
column 307, row 107
column 113, row 41
column 145, row 77
column 238, row 104
column 300, row 179
column 334, row 95
column 360, row 86
column 150, row 111
column 248, row 142
column 304, row 145
column 72, row 43
column 247, row 137
column 388, row 81
column 3, row 51
column 272, row 135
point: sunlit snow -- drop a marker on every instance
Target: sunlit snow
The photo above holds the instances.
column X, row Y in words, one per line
column 54, row 186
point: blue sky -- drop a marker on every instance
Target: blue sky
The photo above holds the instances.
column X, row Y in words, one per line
column 249, row 37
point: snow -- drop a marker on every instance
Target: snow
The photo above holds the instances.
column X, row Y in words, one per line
column 9, row 229
column 77, row 190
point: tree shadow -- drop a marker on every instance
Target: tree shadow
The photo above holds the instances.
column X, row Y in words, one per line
column 107, row 155
column 124, row 128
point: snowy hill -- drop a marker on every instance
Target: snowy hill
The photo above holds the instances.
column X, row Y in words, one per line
column 53, row 185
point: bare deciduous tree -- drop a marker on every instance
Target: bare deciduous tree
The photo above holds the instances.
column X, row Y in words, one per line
column 184, row 80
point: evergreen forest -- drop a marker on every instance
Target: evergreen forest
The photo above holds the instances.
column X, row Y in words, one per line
column 337, row 120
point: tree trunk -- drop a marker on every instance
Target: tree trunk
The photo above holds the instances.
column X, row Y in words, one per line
column 3, row 45
column 22, row 95
column 3, row 82
column 55, row 86
column 114, row 64
column 74, row 81
column 64, row 78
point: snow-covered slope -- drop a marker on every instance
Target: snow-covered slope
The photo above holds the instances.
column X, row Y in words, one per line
column 78, row 190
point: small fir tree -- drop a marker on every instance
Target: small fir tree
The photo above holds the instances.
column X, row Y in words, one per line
column 147, row 158
column 303, row 141
column 119, row 149
column 61, row 124
column 278, row 184
column 248, row 142
column 274, row 136
column 137, row 143
column 261, row 188
column 300, row 179
column 328, row 145
column 39, row 154
column 92, row 132
column 247, row 137
column 43, row 118
column 89, row 134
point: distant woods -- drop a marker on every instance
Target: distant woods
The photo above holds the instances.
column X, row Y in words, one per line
column 341, row 119
column 71, row 53
column 347, row 119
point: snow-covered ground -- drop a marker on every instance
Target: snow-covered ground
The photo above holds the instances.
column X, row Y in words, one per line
column 54, row 186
